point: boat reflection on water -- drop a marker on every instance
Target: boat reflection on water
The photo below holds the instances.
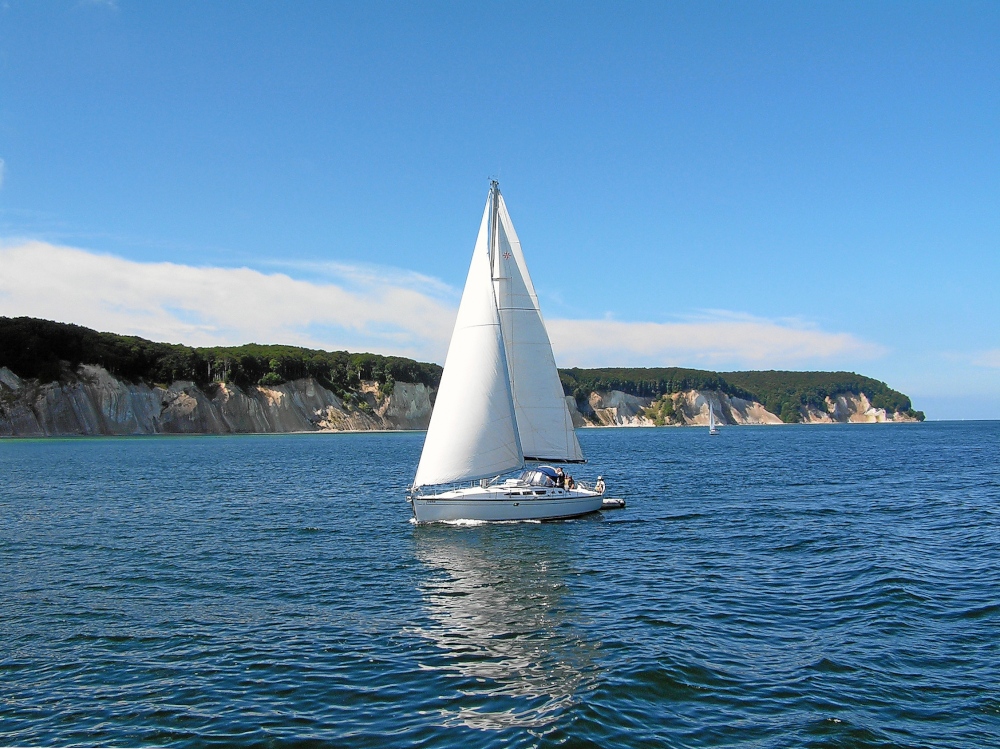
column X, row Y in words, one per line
column 501, row 611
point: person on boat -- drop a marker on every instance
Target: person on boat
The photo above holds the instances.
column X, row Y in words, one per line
column 560, row 478
column 599, row 486
column 570, row 483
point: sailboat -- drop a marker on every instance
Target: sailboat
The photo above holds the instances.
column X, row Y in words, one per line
column 500, row 419
column 711, row 421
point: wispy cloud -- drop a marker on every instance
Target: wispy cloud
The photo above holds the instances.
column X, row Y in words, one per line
column 365, row 275
column 990, row 358
column 719, row 340
column 368, row 308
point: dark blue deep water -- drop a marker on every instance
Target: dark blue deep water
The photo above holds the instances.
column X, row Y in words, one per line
column 821, row 586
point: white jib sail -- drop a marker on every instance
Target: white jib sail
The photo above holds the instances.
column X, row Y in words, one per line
column 544, row 424
column 472, row 434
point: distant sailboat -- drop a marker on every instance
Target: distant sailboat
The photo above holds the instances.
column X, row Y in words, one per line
column 500, row 403
column 711, row 420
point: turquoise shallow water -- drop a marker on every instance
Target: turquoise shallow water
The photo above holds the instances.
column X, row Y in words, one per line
column 771, row 587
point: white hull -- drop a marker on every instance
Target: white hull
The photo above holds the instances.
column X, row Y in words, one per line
column 497, row 503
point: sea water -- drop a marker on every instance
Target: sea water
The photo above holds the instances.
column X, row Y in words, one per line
column 827, row 586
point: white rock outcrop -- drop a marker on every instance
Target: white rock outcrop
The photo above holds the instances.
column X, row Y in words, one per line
column 96, row 403
column 93, row 402
column 691, row 408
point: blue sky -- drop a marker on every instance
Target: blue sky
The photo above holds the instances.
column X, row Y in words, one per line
column 723, row 185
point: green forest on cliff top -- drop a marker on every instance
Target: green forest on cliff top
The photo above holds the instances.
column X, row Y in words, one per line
column 49, row 351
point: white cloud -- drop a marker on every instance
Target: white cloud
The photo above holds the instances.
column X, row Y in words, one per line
column 219, row 306
column 989, row 358
column 364, row 275
column 720, row 340
column 366, row 308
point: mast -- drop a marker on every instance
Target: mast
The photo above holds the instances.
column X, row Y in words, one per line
column 494, row 226
column 494, row 277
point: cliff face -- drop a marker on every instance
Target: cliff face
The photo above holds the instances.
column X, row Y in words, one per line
column 95, row 403
column 691, row 408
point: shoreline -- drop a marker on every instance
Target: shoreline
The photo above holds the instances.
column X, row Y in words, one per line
column 8, row 437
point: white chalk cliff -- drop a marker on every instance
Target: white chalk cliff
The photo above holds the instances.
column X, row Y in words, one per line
column 691, row 407
column 93, row 402
column 96, row 403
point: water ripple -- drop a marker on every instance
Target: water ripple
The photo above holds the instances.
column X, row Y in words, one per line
column 814, row 587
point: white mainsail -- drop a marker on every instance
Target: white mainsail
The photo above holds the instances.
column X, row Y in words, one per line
column 544, row 424
column 472, row 433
